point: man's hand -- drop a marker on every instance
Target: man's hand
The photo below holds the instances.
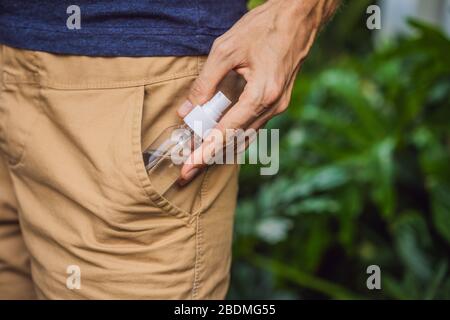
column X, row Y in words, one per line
column 267, row 47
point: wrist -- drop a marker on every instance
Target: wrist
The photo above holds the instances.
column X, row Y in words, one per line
column 318, row 10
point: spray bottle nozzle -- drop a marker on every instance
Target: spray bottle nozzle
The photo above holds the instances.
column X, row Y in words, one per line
column 203, row 118
column 217, row 105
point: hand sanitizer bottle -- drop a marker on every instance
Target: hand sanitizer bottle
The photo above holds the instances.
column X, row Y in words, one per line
column 165, row 156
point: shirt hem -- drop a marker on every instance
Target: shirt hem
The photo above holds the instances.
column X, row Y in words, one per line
column 108, row 44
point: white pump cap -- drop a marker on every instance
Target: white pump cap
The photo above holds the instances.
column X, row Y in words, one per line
column 203, row 118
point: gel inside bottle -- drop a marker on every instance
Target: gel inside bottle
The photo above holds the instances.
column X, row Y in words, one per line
column 165, row 156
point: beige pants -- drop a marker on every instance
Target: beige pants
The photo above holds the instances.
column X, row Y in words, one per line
column 74, row 193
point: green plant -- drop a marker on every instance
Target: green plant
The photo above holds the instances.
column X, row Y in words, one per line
column 364, row 179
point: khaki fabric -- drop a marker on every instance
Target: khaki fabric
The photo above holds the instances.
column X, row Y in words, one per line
column 74, row 190
column 15, row 276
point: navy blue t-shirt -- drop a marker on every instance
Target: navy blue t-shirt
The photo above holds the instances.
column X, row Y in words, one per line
column 119, row 27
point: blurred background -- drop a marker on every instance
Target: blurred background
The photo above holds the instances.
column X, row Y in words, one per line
column 365, row 166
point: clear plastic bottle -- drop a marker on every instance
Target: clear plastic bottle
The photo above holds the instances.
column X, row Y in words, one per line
column 164, row 157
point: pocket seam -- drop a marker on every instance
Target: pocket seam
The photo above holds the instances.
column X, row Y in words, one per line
column 37, row 99
column 141, row 174
column 15, row 163
column 203, row 190
column 111, row 84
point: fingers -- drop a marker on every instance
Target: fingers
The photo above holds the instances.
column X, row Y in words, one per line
column 200, row 158
column 262, row 98
column 239, row 116
column 218, row 64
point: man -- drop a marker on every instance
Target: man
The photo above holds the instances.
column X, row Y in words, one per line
column 84, row 89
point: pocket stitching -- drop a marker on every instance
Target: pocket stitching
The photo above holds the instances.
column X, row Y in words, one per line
column 15, row 163
column 203, row 190
column 37, row 102
column 141, row 173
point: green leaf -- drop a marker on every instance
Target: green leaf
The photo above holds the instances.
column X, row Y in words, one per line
column 273, row 230
column 384, row 191
column 412, row 237
column 317, row 205
column 305, row 280
column 437, row 280
column 321, row 179
column 441, row 210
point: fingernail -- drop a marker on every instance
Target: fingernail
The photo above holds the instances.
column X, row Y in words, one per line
column 190, row 174
column 185, row 108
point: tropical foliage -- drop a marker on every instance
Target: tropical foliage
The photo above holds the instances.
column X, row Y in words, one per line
column 364, row 174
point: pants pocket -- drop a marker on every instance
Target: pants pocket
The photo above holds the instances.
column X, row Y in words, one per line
column 156, row 113
column 85, row 202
